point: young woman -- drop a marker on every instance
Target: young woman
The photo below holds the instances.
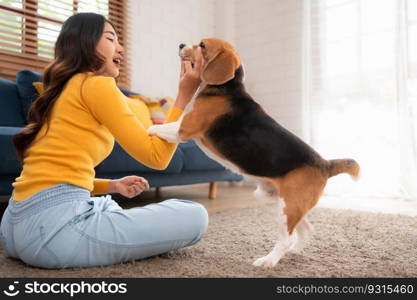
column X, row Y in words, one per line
column 51, row 220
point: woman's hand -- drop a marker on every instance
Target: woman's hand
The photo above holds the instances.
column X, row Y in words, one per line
column 189, row 79
column 129, row 186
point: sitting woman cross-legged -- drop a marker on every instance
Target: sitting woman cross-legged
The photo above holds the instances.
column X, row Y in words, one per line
column 52, row 220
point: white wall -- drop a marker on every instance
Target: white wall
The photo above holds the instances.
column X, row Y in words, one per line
column 267, row 34
column 158, row 27
column 268, row 37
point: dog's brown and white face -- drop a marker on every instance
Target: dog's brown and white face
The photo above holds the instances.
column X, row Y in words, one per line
column 220, row 59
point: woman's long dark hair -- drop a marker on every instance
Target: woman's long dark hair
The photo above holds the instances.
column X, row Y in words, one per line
column 75, row 52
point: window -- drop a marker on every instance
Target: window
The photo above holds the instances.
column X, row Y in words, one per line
column 363, row 91
column 29, row 28
column 412, row 37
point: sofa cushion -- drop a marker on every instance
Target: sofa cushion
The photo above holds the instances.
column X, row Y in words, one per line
column 9, row 163
column 197, row 160
column 189, row 177
column 11, row 113
column 120, row 162
column 127, row 92
column 27, row 92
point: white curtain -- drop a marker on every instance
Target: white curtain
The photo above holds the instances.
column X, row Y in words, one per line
column 360, row 91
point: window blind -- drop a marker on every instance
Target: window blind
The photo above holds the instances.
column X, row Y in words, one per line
column 29, row 29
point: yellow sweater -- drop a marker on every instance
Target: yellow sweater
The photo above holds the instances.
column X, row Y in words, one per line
column 86, row 118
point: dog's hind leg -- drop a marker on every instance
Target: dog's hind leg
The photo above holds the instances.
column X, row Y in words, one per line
column 300, row 190
column 301, row 234
column 282, row 244
column 266, row 189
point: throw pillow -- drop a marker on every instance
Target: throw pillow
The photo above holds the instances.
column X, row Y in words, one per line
column 158, row 108
column 11, row 112
column 27, row 92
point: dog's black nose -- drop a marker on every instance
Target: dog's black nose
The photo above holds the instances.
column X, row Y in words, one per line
column 182, row 46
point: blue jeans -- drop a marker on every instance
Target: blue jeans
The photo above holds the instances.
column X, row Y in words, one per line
column 62, row 226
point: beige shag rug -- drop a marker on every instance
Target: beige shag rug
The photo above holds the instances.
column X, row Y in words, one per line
column 345, row 244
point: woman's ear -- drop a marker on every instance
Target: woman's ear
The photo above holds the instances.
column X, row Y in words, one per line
column 220, row 69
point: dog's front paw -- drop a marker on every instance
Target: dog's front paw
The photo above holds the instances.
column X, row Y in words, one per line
column 268, row 261
column 168, row 132
column 153, row 130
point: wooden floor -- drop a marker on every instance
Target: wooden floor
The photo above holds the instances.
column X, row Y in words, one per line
column 229, row 197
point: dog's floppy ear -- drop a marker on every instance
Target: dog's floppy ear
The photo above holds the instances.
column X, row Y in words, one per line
column 221, row 68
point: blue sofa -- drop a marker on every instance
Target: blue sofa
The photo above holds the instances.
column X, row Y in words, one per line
column 188, row 166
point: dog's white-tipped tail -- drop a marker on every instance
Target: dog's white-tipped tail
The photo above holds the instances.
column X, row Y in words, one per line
column 349, row 166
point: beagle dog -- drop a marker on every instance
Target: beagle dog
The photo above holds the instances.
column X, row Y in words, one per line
column 233, row 129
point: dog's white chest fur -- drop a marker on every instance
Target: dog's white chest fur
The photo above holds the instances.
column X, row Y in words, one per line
column 227, row 164
column 169, row 132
